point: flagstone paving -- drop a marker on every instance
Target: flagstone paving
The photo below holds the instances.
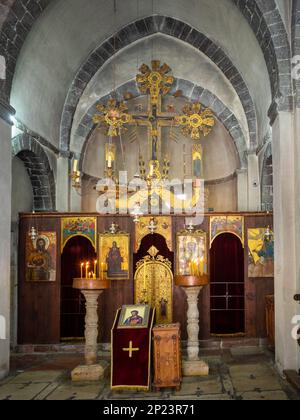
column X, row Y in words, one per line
column 235, row 374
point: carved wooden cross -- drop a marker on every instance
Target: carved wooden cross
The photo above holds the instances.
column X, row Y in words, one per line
column 130, row 349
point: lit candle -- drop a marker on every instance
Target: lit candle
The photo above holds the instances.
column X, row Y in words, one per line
column 86, row 269
column 195, row 268
column 81, row 270
column 109, row 162
column 95, row 268
column 102, row 270
column 201, row 265
column 75, row 164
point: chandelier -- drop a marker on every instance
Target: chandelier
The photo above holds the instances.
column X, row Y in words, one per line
column 195, row 121
column 114, row 116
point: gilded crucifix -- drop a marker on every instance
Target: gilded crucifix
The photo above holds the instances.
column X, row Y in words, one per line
column 156, row 82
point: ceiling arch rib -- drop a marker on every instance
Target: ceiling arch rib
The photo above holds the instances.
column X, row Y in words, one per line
column 38, row 167
column 263, row 17
column 267, row 25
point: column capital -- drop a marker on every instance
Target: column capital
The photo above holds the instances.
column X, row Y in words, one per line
column 241, row 171
column 6, row 112
column 282, row 104
column 66, row 154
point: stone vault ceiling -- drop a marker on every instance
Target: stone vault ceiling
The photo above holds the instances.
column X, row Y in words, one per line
column 26, row 28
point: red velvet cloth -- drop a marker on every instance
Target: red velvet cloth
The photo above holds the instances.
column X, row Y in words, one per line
column 131, row 372
column 227, row 285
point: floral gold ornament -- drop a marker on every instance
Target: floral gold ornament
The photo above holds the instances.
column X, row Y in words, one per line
column 195, row 121
column 113, row 117
column 155, row 81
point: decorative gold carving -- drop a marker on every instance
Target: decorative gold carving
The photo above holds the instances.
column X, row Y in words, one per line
column 113, row 117
column 153, row 285
column 164, row 228
column 153, row 251
column 195, row 121
column 154, row 171
column 155, row 81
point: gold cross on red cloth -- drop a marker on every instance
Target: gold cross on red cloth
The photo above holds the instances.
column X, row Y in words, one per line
column 130, row 349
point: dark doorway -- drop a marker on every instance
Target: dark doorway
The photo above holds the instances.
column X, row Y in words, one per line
column 227, row 286
column 77, row 250
column 153, row 240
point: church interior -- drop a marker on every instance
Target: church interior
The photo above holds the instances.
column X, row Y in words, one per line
column 149, row 224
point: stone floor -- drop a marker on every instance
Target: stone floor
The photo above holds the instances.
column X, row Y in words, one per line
column 235, row 374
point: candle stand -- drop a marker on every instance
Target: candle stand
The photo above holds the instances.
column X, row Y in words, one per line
column 192, row 285
column 91, row 290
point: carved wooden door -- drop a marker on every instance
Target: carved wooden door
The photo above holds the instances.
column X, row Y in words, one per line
column 153, row 284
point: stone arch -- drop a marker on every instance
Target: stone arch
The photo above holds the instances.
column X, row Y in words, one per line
column 267, row 24
column 190, row 91
column 139, row 30
column 263, row 17
column 40, row 173
column 267, row 180
column 17, row 25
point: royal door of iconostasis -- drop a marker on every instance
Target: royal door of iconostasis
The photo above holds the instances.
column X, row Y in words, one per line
column 153, row 279
column 76, row 250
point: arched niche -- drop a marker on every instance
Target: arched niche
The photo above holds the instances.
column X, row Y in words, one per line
column 77, row 250
column 227, row 302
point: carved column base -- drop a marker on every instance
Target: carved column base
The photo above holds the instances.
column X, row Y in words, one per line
column 195, row 368
column 89, row 372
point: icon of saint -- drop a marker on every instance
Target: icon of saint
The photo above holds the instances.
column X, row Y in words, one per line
column 114, row 260
column 134, row 319
column 39, row 262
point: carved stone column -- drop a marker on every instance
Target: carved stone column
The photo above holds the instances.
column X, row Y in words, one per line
column 91, row 371
column 91, row 325
column 193, row 366
column 193, row 322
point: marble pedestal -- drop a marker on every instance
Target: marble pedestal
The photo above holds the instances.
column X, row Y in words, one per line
column 192, row 286
column 91, row 371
